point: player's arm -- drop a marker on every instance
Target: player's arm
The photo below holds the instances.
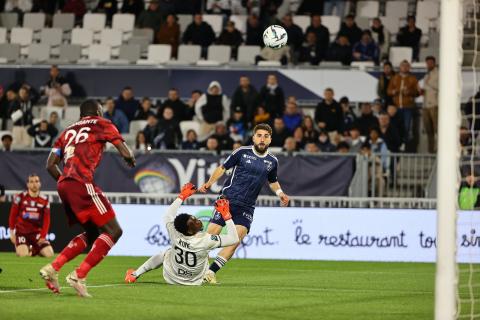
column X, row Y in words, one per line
column 231, row 238
column 53, row 161
column 275, row 186
column 217, row 174
column 14, row 210
column 187, row 190
column 125, row 152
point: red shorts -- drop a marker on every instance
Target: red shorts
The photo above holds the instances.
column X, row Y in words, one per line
column 31, row 240
column 85, row 202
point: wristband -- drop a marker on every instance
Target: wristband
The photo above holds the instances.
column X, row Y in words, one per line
column 278, row 192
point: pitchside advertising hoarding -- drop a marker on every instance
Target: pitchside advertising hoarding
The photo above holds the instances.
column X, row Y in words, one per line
column 295, row 233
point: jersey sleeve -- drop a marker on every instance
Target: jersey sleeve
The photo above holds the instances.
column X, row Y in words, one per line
column 232, row 160
column 272, row 175
column 46, row 221
column 58, row 147
column 211, row 241
column 14, row 211
column 110, row 134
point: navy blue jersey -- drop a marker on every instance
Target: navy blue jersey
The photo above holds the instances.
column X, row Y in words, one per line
column 249, row 173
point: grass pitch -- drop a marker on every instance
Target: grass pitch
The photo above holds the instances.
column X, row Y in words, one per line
column 249, row 289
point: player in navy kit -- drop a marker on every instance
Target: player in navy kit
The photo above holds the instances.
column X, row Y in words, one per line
column 251, row 167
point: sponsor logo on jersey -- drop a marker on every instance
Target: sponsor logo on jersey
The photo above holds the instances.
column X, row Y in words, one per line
column 184, row 273
column 248, row 161
column 248, row 216
column 215, row 238
column 246, row 156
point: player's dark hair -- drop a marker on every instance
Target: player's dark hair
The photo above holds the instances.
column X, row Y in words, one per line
column 32, row 175
column 88, row 108
column 262, row 126
column 180, row 223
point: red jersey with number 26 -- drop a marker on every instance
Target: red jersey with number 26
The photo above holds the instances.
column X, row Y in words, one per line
column 81, row 145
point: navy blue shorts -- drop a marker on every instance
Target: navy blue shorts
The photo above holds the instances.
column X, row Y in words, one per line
column 241, row 215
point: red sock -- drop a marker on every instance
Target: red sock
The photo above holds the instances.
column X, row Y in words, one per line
column 73, row 249
column 100, row 249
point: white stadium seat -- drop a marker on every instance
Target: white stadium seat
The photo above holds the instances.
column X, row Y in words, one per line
column 302, row 21
column 157, row 54
column 240, row 22
column 34, row 21
column 398, row 54
column 23, row 37
column 332, row 23
column 139, row 125
column 247, row 54
column 99, row 53
column 367, row 9
column 3, row 35
column 215, row 21
column 94, row 21
column 125, row 23
column 398, row 9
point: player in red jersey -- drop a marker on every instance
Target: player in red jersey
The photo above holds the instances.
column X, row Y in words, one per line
column 80, row 146
column 29, row 221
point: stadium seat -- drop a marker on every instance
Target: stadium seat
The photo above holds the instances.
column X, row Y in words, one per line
column 128, row 53
column 398, row 54
column 184, row 20
column 46, row 111
column 94, row 21
column 332, row 23
column 98, row 53
column 3, row 35
column 331, row 64
column 391, row 23
column 9, row 52
column 269, row 63
column 8, row 20
column 368, row 9
column 157, row 54
column 23, row 37
column 217, row 54
column 240, row 22
column 72, row 113
column 38, row 52
column 112, row 38
column 53, row 38
column 70, row 52
column 83, row 37
column 247, row 54
column 188, row 125
column 188, row 54
column 125, row 23
column 363, row 22
column 64, row 21
column 302, row 21
column 34, row 21
column 397, row 9
column 362, row 65
column 215, row 21
column 428, row 9
column 139, row 125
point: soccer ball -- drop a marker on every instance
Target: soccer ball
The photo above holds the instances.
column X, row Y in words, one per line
column 275, row 37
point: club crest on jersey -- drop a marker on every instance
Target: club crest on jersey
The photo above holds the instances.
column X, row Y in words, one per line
column 269, row 164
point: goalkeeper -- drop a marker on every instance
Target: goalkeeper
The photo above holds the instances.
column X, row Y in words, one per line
column 187, row 260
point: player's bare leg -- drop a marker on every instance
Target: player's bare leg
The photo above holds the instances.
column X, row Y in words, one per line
column 154, row 262
column 46, row 252
column 109, row 235
column 225, row 254
column 22, row 250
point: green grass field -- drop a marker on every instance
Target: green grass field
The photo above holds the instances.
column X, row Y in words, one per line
column 249, row 289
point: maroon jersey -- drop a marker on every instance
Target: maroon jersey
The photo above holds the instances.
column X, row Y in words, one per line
column 30, row 214
column 81, row 146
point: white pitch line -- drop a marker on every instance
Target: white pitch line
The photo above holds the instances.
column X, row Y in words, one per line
column 62, row 288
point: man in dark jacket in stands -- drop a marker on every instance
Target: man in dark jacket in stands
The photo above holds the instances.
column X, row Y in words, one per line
column 367, row 119
column 150, row 18
column 254, row 31
column 295, row 33
column 43, row 134
column 329, row 114
column 389, row 133
column 350, row 29
column 170, row 135
column 225, row 142
column 181, row 111
column 245, row 97
column 279, row 134
column 199, row 33
column 409, row 36
column 127, row 103
column 145, row 110
column 340, row 51
column 272, row 96
column 322, row 32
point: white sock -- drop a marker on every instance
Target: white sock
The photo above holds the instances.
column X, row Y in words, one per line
column 154, row 262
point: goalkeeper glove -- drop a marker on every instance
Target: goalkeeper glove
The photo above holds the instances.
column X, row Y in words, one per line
column 187, row 190
column 223, row 206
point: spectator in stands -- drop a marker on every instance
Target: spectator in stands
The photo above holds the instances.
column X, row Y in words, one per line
column 188, row 7
column 195, row 95
column 403, row 88
column 230, row 36
column 191, row 143
column 375, row 172
column 328, row 114
column 389, row 133
column 377, row 107
column 396, row 120
column 169, row 33
column 127, row 103
column 472, row 107
column 410, row 36
column 292, row 117
column 118, row 118
column 46, row 6
column 350, row 29
column 57, row 89
column 310, row 134
column 310, row 52
column 299, row 137
column 108, row 7
column 181, row 111
column 254, row 35
column 324, row 142
column 166, row 8
column 150, row 18
column 145, row 110
column 383, row 81
column 218, row 7
column 295, row 33
column 212, row 107
column 308, row 7
column 381, row 36
column 261, row 116
column 237, row 125
column 54, row 121
column 290, row 145
column 311, row 147
column 245, row 97
column 349, row 116
column 237, row 144
column 322, row 33
column 170, row 135
column 212, row 145
column 366, row 120
column 3, row 109
column 77, row 7
column 133, row 6
column 279, row 133
column 269, row 10
column 355, row 140
column 340, row 51
column 151, row 130
column 22, row 116
column 43, row 134
column 141, row 144
column 379, row 147
column 272, row 96
column 339, row 6
column 225, row 142
column 7, row 140
column 343, row 147
column 200, row 33
column 268, row 54
column 430, row 102
column 366, row 49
